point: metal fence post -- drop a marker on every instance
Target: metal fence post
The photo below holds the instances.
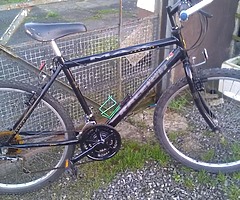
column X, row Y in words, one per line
column 119, row 95
column 163, row 31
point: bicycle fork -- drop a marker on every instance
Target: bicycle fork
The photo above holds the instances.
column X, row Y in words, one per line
column 195, row 86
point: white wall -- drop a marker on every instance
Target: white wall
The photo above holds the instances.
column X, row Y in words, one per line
column 146, row 5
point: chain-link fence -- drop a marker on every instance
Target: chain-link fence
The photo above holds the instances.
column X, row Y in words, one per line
column 117, row 77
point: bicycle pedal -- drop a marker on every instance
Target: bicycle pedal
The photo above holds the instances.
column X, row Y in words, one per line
column 71, row 169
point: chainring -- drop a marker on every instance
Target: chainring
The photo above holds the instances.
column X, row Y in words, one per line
column 5, row 135
column 108, row 142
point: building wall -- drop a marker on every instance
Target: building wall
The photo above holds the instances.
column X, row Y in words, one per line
column 219, row 34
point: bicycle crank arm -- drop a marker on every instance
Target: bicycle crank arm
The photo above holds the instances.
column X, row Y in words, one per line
column 85, row 153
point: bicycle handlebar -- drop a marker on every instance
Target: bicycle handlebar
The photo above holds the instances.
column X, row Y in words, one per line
column 184, row 14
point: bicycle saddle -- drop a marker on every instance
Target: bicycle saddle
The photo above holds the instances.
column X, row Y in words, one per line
column 45, row 32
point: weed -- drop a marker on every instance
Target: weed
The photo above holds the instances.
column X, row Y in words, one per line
column 223, row 141
column 139, row 123
column 208, row 155
column 188, row 182
column 178, row 103
column 132, row 156
column 208, row 133
column 236, row 176
column 176, row 135
column 236, row 151
column 101, row 45
column 173, row 136
column 100, row 13
column 233, row 192
column 221, row 178
column 107, row 11
column 203, row 177
column 187, row 169
column 3, row 2
column 52, row 14
column 177, row 177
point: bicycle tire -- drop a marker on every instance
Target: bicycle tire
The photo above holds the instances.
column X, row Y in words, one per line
column 185, row 135
column 36, row 171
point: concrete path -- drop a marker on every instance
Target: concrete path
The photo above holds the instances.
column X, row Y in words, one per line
column 95, row 14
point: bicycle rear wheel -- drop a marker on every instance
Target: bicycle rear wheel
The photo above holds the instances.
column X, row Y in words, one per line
column 32, row 168
column 184, row 133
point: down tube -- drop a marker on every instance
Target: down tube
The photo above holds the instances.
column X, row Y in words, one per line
column 147, row 85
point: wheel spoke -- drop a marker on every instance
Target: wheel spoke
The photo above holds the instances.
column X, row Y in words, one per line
column 186, row 135
column 47, row 123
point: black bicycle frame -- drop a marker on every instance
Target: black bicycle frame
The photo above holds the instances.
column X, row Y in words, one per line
column 155, row 77
column 178, row 53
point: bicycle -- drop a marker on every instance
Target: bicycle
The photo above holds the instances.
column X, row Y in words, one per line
column 35, row 151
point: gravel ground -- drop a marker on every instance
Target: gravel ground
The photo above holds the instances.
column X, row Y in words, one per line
column 156, row 182
column 152, row 182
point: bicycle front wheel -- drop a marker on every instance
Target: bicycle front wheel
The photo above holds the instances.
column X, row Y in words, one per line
column 28, row 169
column 184, row 133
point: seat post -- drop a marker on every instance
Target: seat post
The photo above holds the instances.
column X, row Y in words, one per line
column 55, row 48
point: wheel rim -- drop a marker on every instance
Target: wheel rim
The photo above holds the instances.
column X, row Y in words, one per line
column 44, row 117
column 188, row 135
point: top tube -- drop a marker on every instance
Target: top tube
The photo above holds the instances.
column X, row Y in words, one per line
column 121, row 52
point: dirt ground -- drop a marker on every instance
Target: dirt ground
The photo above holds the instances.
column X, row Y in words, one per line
column 138, row 126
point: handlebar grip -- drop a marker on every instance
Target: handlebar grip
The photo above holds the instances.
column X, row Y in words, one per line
column 184, row 14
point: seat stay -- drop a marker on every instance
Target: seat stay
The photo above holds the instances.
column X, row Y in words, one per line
column 46, row 32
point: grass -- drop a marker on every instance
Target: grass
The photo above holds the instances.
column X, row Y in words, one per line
column 189, row 183
column 203, row 177
column 3, row 2
column 100, row 14
column 132, row 156
column 229, row 183
column 102, row 45
column 175, row 135
column 52, row 14
column 233, row 192
column 178, row 103
column 135, row 155
column 236, row 150
column 236, row 175
column 208, row 155
column 221, row 178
